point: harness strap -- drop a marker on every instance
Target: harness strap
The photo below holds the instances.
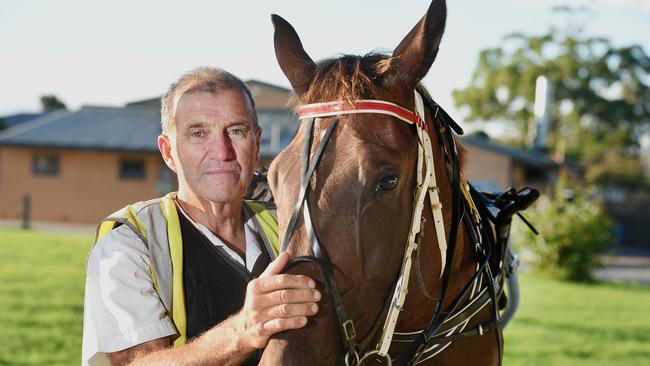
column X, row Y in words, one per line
column 346, row 325
column 432, row 186
column 307, row 173
column 328, row 109
column 453, row 319
column 457, row 212
column 446, row 340
column 347, row 330
column 426, row 184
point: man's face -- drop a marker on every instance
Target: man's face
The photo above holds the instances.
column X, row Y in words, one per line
column 214, row 147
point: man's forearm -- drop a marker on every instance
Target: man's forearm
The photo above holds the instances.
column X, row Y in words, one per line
column 221, row 345
column 274, row 303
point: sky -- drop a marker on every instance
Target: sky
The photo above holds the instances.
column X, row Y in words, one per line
column 110, row 53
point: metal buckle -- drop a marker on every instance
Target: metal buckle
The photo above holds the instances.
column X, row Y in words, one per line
column 368, row 355
column 352, row 356
column 348, row 328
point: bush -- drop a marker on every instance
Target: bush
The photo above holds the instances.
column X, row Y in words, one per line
column 572, row 234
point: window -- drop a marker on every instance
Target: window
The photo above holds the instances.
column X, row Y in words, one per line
column 534, row 174
column 131, row 169
column 45, row 164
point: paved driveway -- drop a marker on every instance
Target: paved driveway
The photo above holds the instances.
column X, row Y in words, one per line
column 53, row 227
column 630, row 265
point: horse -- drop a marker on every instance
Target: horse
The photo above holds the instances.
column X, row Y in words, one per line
column 374, row 165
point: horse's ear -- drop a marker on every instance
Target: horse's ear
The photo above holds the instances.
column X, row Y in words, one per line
column 294, row 61
column 414, row 56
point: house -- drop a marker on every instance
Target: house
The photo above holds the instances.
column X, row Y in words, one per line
column 78, row 166
column 16, row 119
column 492, row 167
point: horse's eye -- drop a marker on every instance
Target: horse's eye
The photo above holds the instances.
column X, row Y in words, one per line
column 387, row 182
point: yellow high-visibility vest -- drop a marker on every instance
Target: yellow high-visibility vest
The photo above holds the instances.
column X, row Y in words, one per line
column 156, row 224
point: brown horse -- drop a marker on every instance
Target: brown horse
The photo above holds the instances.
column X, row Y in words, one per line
column 361, row 195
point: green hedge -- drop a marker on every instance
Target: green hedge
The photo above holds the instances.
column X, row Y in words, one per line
column 572, row 234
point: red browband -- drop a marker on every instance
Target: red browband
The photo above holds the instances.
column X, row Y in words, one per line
column 316, row 110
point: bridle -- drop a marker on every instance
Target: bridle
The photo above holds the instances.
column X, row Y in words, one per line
column 426, row 186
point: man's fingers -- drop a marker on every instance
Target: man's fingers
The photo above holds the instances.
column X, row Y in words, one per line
column 291, row 311
column 272, row 283
column 284, row 297
column 276, row 302
column 281, row 324
column 260, row 334
column 293, row 296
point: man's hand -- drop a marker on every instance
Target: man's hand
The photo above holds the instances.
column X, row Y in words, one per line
column 276, row 302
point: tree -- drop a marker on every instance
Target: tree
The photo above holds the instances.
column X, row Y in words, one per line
column 3, row 124
column 51, row 102
column 601, row 92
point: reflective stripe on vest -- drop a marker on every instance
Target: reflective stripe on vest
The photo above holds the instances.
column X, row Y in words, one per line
column 128, row 215
column 267, row 222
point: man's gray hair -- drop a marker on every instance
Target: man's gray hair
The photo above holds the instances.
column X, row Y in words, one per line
column 202, row 79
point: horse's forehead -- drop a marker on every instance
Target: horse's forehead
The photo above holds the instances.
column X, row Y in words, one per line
column 380, row 132
column 362, row 141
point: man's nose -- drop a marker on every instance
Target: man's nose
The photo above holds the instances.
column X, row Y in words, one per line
column 221, row 148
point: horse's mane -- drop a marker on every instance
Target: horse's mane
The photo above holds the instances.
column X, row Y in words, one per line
column 346, row 77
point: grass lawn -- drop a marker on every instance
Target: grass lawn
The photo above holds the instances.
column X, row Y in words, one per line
column 41, row 297
column 561, row 323
column 41, row 305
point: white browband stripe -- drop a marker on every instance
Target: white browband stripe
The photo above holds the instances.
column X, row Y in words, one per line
column 354, row 111
column 316, row 110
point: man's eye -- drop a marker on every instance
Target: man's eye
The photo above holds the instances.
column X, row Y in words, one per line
column 197, row 134
column 237, row 132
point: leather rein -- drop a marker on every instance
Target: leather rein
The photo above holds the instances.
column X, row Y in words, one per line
column 448, row 324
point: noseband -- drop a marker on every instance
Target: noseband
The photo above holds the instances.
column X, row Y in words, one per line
column 426, row 186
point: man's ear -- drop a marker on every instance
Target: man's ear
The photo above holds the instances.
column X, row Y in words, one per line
column 165, row 147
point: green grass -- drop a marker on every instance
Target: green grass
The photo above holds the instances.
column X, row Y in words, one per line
column 559, row 323
column 562, row 323
column 41, row 297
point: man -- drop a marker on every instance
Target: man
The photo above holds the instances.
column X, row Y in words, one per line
column 182, row 269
